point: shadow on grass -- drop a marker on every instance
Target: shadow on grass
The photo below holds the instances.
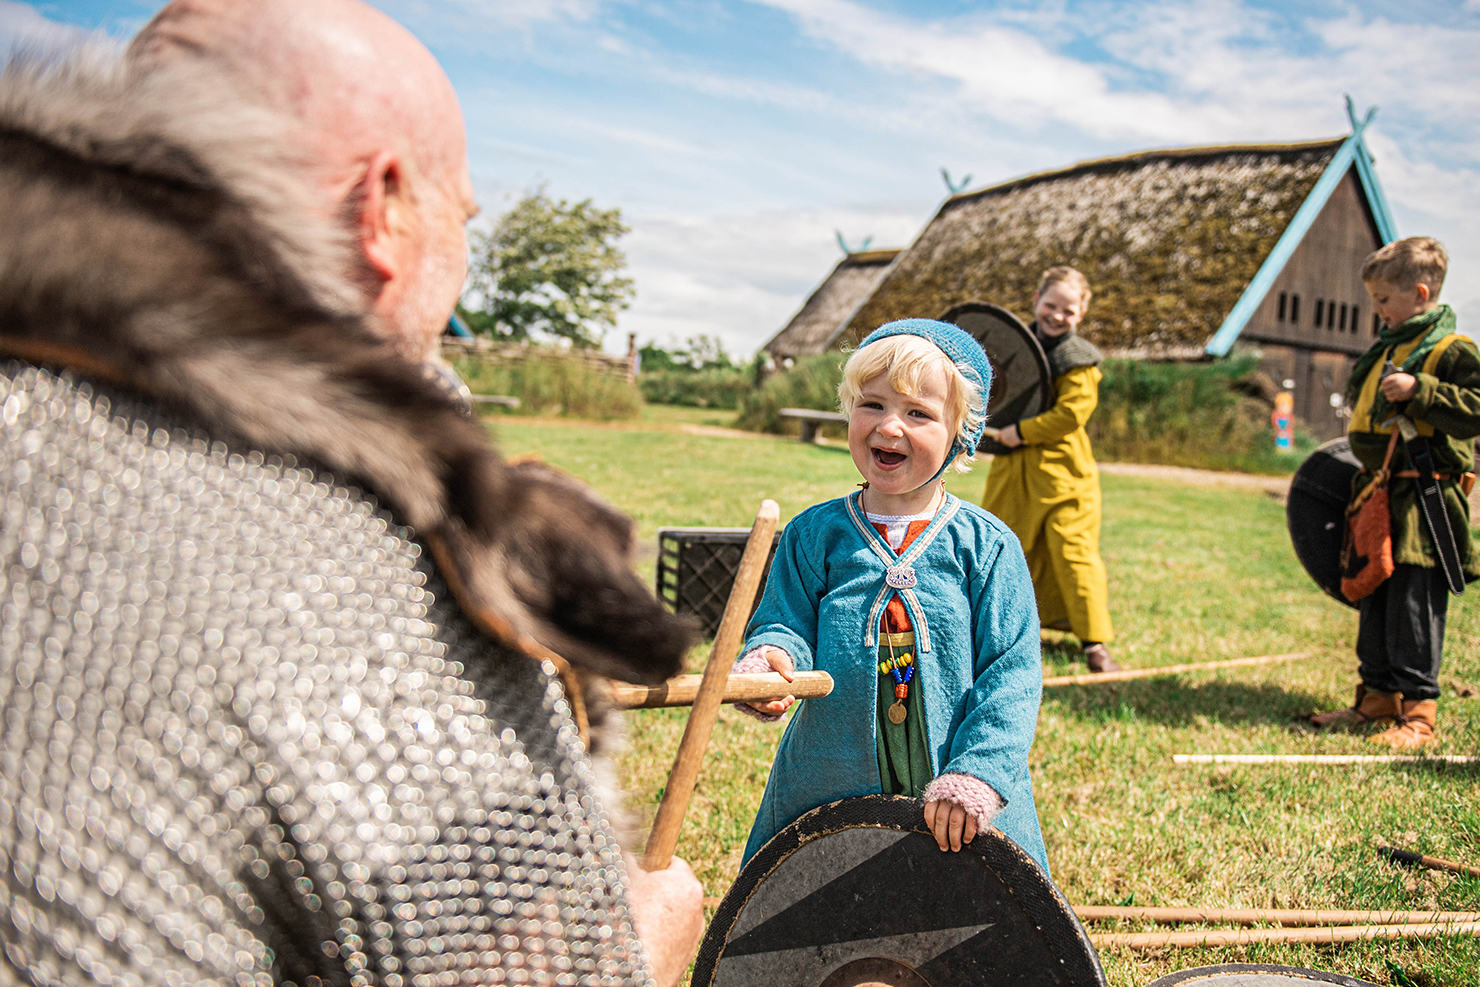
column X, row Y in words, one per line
column 1172, row 702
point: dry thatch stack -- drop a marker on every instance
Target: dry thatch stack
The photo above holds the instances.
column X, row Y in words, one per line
column 1168, row 239
column 813, row 329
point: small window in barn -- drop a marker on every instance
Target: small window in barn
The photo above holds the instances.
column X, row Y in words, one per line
column 1376, row 324
column 1294, row 309
column 1341, row 319
column 1330, row 315
column 1284, row 297
column 1320, row 311
column 1356, row 322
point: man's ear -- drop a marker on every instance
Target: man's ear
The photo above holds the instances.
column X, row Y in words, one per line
column 379, row 194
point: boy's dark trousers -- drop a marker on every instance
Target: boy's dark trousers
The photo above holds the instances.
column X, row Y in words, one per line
column 1400, row 638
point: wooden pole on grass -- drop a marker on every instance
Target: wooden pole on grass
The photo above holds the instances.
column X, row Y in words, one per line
column 669, row 820
column 1324, row 759
column 1125, row 674
column 1276, row 916
column 1241, row 937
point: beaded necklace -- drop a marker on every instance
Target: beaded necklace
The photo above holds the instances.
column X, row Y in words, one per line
column 902, row 669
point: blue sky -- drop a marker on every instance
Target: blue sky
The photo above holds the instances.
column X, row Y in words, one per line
column 737, row 135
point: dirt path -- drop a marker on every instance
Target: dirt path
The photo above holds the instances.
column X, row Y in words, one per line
column 1275, row 486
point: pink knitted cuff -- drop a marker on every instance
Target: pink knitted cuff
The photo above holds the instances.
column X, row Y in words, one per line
column 753, row 663
column 970, row 793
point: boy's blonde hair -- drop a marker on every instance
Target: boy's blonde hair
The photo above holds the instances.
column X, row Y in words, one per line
column 906, row 359
column 1407, row 263
column 1068, row 276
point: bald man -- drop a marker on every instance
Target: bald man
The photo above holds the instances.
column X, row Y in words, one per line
column 292, row 664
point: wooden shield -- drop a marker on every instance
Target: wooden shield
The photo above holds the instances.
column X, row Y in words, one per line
column 1255, row 975
column 1022, row 385
column 857, row 893
column 1316, row 513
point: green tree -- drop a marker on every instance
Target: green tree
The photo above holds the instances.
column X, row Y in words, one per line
column 549, row 268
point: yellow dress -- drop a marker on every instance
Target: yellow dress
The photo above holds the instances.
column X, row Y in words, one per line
column 1048, row 492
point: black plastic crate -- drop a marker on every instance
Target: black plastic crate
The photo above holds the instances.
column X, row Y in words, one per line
column 696, row 570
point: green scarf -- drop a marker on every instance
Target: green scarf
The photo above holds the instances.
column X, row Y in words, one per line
column 1438, row 323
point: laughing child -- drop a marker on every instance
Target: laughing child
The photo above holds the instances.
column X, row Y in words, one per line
column 919, row 605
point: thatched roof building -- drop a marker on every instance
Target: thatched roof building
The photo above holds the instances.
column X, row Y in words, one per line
column 1187, row 250
column 813, row 329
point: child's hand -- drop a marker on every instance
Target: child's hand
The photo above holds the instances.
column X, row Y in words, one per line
column 951, row 824
column 1010, row 437
column 781, row 662
column 1399, row 387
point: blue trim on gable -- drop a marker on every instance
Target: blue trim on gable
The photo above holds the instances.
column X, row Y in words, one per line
column 1352, row 153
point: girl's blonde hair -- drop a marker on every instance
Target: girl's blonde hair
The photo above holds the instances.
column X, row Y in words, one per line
column 1067, row 276
column 906, row 359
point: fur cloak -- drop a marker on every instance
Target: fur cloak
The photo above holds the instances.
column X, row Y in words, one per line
column 161, row 237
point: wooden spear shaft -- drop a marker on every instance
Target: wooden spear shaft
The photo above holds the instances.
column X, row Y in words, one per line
column 669, row 820
column 682, row 690
column 1277, row 916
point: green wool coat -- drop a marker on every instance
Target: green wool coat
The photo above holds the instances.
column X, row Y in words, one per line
column 1446, row 409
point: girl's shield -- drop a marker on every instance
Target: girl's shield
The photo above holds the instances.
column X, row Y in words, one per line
column 1022, row 385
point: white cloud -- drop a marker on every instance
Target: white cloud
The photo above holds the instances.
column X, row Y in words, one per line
column 741, row 277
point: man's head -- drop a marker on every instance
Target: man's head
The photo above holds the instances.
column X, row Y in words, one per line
column 378, row 118
column 1404, row 277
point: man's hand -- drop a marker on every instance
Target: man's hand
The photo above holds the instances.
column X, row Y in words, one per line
column 1399, row 387
column 1010, row 437
column 781, row 662
column 951, row 825
column 668, row 911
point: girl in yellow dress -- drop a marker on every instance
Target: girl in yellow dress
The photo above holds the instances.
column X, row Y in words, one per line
column 1047, row 489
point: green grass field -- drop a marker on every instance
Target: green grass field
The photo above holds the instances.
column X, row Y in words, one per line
column 1196, row 574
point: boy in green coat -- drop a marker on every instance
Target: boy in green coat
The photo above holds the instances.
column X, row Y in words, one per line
column 1433, row 380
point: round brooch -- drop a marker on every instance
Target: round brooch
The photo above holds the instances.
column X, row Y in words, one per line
column 900, row 576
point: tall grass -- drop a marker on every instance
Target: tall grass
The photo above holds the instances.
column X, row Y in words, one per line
column 1187, row 414
column 811, row 383
column 553, row 382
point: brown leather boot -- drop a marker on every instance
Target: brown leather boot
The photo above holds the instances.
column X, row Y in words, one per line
column 1415, row 726
column 1099, row 658
column 1370, row 706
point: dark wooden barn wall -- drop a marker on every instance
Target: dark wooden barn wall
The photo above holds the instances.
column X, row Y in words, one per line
column 1323, row 275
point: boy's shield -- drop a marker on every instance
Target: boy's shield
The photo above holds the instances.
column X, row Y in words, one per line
column 1316, row 513
column 858, row 892
column 1022, row 385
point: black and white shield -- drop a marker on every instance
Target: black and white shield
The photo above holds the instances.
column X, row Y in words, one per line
column 857, row 892
column 1022, row 385
column 1316, row 513
column 1256, row 975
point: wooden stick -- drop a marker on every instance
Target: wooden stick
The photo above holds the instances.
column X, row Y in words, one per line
column 741, row 688
column 1097, row 678
column 1241, row 937
column 1323, row 759
column 1276, row 916
column 685, row 773
column 1412, row 859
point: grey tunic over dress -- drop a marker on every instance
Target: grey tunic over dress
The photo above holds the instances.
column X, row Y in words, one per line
column 247, row 738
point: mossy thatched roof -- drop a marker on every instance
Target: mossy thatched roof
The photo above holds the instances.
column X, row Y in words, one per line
column 813, row 328
column 1168, row 239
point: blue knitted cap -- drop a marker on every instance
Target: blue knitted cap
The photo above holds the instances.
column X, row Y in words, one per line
column 964, row 351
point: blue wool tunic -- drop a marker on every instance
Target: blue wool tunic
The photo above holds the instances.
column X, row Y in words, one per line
column 976, row 637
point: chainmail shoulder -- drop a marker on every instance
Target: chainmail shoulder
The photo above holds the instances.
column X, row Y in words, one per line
column 247, row 738
column 1071, row 353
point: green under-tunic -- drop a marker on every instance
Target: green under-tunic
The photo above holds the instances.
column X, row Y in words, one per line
column 904, row 751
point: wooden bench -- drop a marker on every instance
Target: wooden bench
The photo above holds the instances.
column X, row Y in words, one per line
column 812, row 419
column 498, row 399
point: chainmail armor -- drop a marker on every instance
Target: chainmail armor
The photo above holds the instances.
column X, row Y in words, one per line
column 247, row 737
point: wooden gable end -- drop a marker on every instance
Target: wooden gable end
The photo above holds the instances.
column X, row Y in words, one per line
column 1318, row 301
column 1316, row 318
